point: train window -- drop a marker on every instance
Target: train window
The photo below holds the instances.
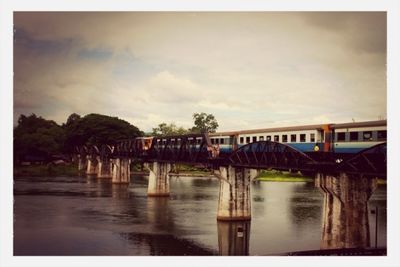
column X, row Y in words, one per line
column 353, row 136
column 276, row 138
column 367, row 136
column 268, row 138
column 212, row 140
column 312, row 138
column 222, row 141
column 254, row 138
column 241, row 140
column 382, row 135
column 217, row 141
column 284, row 138
column 261, row 138
column 292, row 138
column 247, row 139
column 302, row 138
column 341, row 136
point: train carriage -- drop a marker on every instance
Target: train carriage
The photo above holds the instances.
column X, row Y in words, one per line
column 356, row 136
column 339, row 138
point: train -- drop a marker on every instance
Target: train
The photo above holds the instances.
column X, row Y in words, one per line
column 340, row 138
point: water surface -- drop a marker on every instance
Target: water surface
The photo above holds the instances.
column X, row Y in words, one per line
column 87, row 216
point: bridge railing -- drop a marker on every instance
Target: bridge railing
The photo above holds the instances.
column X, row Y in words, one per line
column 197, row 149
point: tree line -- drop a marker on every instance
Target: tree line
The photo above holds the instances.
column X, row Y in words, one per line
column 39, row 139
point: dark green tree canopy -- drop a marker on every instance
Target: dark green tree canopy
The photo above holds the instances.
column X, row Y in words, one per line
column 97, row 129
column 204, row 122
column 37, row 137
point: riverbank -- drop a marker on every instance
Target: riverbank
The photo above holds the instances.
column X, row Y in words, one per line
column 185, row 171
column 46, row 170
column 280, row 176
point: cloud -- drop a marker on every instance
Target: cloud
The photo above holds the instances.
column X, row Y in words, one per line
column 95, row 54
column 248, row 69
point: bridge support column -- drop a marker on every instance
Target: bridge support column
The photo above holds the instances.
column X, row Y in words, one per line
column 233, row 238
column 345, row 212
column 121, row 171
column 92, row 166
column 82, row 163
column 253, row 173
column 159, row 180
column 105, row 170
column 234, row 202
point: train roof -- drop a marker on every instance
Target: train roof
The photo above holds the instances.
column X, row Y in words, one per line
column 359, row 124
column 303, row 127
column 276, row 129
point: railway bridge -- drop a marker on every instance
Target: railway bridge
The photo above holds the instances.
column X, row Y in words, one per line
column 346, row 184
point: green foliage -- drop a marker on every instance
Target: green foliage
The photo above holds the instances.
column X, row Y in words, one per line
column 46, row 170
column 97, row 129
column 37, row 137
column 204, row 122
column 279, row 176
column 168, row 129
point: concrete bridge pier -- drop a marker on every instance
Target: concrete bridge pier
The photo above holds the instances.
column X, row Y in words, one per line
column 105, row 170
column 233, row 238
column 158, row 179
column 253, row 174
column 234, row 202
column 92, row 165
column 82, row 163
column 345, row 212
column 121, row 171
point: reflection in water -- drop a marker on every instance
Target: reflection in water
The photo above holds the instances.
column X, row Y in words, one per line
column 233, row 238
column 304, row 208
column 85, row 216
column 159, row 214
column 166, row 245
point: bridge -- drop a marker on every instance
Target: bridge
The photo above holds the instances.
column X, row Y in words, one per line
column 346, row 184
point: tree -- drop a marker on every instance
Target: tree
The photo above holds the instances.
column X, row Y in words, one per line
column 97, row 129
column 37, row 138
column 204, row 122
column 73, row 118
column 168, row 129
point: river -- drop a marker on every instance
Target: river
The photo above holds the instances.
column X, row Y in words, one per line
column 88, row 216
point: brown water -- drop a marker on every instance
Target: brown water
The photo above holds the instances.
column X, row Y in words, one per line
column 85, row 216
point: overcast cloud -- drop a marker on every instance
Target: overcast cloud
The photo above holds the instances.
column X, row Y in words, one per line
column 250, row 70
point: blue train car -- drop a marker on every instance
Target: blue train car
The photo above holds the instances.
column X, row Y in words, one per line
column 356, row 136
column 339, row 138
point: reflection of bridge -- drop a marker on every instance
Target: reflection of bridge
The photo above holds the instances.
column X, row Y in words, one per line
column 347, row 184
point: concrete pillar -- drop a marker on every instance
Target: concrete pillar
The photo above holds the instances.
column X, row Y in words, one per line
column 234, row 194
column 121, row 170
column 159, row 180
column 104, row 169
column 82, row 163
column 233, row 238
column 345, row 213
column 92, row 165
column 253, row 174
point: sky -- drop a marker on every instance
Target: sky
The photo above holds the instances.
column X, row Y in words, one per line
column 250, row 69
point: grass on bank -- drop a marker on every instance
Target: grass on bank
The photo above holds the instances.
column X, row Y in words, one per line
column 280, row 176
column 72, row 170
column 46, row 170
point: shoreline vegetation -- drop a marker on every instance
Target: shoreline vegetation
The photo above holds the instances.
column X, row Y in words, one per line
column 181, row 170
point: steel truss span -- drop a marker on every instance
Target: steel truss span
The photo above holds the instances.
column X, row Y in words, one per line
column 197, row 149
